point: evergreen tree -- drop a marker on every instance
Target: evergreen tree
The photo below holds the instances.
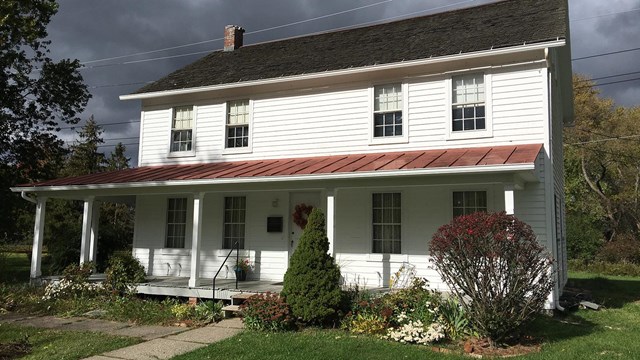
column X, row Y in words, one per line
column 85, row 157
column 312, row 281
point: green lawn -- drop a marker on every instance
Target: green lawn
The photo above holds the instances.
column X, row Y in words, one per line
column 56, row 344
column 612, row 333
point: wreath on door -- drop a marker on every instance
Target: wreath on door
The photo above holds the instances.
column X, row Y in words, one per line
column 301, row 214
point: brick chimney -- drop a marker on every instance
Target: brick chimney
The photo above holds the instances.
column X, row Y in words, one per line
column 232, row 37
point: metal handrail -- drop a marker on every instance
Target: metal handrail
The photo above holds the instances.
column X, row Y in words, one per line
column 237, row 249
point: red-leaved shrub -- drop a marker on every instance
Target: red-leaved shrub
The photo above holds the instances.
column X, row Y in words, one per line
column 266, row 312
column 494, row 265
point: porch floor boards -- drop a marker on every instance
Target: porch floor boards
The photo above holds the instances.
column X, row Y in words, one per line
column 225, row 288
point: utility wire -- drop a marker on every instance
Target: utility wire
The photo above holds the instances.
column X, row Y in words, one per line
column 607, row 53
column 603, row 15
column 248, row 33
column 263, row 30
column 107, row 124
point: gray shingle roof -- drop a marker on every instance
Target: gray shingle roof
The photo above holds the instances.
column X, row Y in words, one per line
column 496, row 25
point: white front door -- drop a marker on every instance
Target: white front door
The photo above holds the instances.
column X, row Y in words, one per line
column 297, row 198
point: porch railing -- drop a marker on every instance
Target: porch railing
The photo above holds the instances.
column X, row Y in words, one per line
column 236, row 247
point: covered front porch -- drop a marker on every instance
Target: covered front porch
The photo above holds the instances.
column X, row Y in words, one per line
column 381, row 210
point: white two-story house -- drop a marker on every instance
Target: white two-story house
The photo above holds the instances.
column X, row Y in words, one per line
column 391, row 129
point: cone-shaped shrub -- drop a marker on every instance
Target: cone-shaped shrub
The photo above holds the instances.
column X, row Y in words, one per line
column 494, row 265
column 312, row 281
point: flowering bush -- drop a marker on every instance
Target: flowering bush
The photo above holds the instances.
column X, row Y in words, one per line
column 74, row 283
column 266, row 312
column 415, row 332
column 496, row 268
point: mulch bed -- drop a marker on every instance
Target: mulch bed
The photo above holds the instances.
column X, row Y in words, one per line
column 14, row 349
column 480, row 348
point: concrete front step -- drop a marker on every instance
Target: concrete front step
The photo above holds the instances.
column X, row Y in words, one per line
column 237, row 299
column 231, row 310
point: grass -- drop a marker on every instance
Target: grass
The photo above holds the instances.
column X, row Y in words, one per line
column 613, row 332
column 16, row 266
column 57, row 344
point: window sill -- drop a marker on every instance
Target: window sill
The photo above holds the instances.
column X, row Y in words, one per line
column 243, row 253
column 395, row 258
column 389, row 140
column 181, row 154
column 469, row 134
column 233, row 151
column 172, row 251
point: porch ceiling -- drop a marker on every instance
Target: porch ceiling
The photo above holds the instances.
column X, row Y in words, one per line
column 458, row 160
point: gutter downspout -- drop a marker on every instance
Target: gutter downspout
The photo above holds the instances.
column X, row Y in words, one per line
column 24, row 195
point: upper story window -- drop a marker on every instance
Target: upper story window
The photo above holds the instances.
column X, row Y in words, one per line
column 176, row 223
column 387, row 111
column 468, row 202
column 387, row 223
column 468, row 102
column 238, row 122
column 182, row 129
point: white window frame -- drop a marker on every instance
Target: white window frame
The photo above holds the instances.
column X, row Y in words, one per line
column 488, row 109
column 238, row 150
column 402, row 139
column 486, row 191
column 168, row 223
column 188, row 153
column 372, row 224
column 224, row 222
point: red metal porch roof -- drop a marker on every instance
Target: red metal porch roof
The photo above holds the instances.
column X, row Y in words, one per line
column 321, row 165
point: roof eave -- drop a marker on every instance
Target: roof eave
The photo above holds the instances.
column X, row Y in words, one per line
column 458, row 170
column 382, row 67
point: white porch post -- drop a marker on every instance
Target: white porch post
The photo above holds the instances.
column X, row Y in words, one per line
column 87, row 219
column 38, row 237
column 95, row 223
column 198, row 203
column 331, row 214
column 509, row 199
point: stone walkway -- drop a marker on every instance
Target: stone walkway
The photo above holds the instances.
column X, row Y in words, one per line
column 161, row 342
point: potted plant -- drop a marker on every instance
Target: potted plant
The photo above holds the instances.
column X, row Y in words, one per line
column 242, row 268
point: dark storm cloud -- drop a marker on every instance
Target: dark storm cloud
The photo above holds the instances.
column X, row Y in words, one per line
column 89, row 30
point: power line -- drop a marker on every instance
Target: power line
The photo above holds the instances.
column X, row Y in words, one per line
column 603, row 54
column 248, row 33
column 129, row 144
column 629, row 137
column 101, row 125
column 267, row 29
column 603, row 15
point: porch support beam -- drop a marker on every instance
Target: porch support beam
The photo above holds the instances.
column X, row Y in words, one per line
column 196, row 236
column 509, row 199
column 87, row 221
column 331, row 214
column 95, row 223
column 38, row 237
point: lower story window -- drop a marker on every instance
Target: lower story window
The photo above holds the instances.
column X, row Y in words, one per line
column 235, row 209
column 387, row 223
column 176, row 223
column 468, row 202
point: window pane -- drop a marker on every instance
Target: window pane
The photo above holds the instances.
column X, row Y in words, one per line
column 480, row 123
column 377, row 215
column 468, row 124
column 457, row 125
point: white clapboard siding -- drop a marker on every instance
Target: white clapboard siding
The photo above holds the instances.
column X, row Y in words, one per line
column 337, row 121
column 424, row 209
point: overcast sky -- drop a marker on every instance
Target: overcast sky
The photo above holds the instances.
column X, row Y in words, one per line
column 97, row 30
